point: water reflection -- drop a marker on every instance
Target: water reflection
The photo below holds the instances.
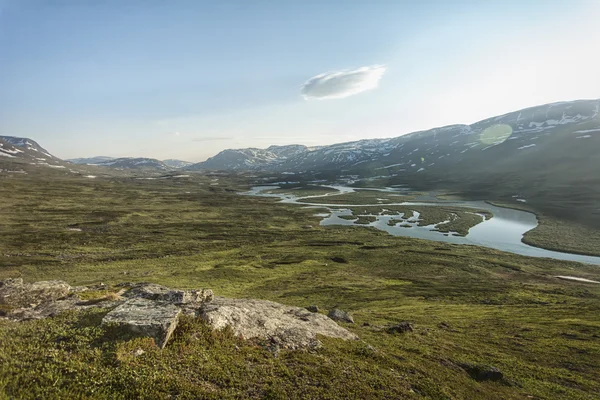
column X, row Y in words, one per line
column 502, row 232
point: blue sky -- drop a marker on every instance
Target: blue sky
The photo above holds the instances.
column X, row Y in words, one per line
column 186, row 79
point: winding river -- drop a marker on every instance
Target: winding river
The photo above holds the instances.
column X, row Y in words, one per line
column 503, row 232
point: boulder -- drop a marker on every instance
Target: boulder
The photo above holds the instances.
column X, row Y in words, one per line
column 341, row 316
column 401, row 327
column 482, row 372
column 313, row 308
column 14, row 293
column 144, row 317
column 152, row 291
column 285, row 326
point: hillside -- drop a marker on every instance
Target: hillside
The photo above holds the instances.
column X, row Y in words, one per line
column 26, row 152
column 130, row 162
column 547, row 156
column 134, row 163
column 435, row 149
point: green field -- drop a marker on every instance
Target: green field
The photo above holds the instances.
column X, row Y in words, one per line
column 468, row 304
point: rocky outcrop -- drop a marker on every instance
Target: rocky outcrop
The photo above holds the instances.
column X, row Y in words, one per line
column 16, row 294
column 145, row 317
column 286, row 326
column 152, row 291
column 341, row 316
column 152, row 310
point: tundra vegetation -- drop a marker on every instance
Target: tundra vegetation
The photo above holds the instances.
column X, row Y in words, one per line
column 435, row 320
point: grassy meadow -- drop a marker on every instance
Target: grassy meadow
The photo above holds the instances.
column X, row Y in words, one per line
column 467, row 304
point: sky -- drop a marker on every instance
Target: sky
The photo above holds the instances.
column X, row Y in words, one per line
column 187, row 79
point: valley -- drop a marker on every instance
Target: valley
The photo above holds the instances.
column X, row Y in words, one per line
column 468, row 304
column 467, row 257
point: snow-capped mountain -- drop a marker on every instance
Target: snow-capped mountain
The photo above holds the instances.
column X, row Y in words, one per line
column 134, row 163
column 131, row 162
column 90, row 160
column 27, row 151
column 247, row 159
column 177, row 163
column 518, row 135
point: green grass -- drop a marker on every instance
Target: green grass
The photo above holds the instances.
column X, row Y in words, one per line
column 559, row 234
column 458, row 219
column 303, row 190
column 467, row 303
column 360, row 197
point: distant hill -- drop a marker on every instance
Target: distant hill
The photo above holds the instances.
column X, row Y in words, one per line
column 90, row 160
column 177, row 163
column 252, row 158
column 25, row 151
column 134, row 163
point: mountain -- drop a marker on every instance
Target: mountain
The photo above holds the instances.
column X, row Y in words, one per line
column 91, row 160
column 548, row 156
column 25, row 151
column 433, row 149
column 134, row 163
column 177, row 163
column 252, row 158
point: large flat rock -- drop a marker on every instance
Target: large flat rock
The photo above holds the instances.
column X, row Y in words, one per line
column 288, row 327
column 15, row 293
column 144, row 317
column 152, row 291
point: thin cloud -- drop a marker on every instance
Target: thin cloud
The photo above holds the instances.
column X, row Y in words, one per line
column 210, row 139
column 340, row 84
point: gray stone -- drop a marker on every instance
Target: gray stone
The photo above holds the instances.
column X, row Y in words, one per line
column 284, row 326
column 482, row 372
column 53, row 308
column 341, row 316
column 144, row 317
column 15, row 293
column 313, row 308
column 401, row 327
column 152, row 291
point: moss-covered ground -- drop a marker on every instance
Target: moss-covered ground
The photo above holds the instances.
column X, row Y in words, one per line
column 467, row 304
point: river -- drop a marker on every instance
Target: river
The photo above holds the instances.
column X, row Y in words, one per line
column 502, row 232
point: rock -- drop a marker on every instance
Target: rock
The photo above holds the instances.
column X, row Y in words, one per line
column 144, row 317
column 15, row 293
column 153, row 291
column 53, row 308
column 401, row 327
column 284, row 326
column 138, row 352
column 313, row 308
column 307, row 227
column 339, row 315
column 79, row 289
column 482, row 372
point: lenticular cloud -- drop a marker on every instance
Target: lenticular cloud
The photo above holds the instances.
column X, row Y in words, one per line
column 340, row 84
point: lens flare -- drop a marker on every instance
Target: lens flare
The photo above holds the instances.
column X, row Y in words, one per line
column 495, row 134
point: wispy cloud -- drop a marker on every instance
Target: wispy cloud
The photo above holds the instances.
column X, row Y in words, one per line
column 340, row 84
column 210, row 139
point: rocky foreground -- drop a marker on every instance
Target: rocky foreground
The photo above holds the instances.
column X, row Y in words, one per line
column 151, row 310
